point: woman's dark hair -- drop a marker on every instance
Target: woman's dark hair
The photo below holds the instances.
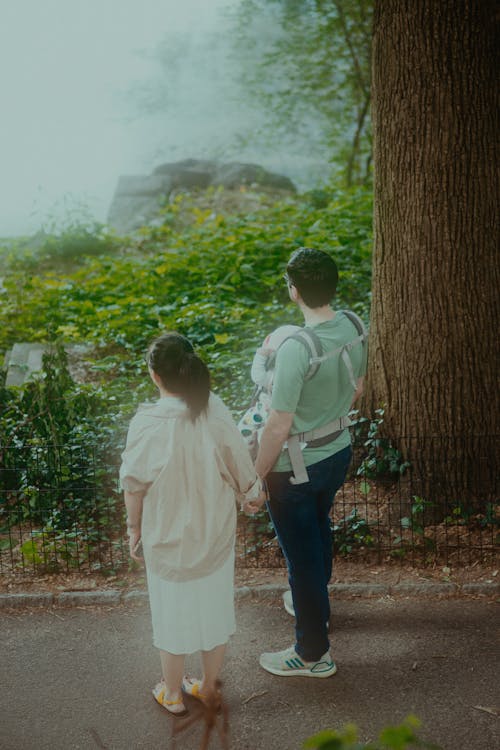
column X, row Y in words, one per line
column 314, row 274
column 171, row 356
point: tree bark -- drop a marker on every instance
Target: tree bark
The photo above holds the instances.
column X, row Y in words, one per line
column 435, row 314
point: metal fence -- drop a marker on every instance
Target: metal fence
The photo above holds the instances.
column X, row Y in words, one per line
column 61, row 510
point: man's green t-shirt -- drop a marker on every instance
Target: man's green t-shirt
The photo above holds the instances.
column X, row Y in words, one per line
column 326, row 396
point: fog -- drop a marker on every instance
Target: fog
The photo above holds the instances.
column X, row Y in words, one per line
column 85, row 99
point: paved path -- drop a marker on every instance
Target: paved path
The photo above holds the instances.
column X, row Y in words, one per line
column 79, row 678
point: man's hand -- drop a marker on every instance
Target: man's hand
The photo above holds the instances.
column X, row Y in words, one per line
column 253, row 506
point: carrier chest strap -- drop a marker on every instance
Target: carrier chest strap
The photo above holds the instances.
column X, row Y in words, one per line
column 330, row 430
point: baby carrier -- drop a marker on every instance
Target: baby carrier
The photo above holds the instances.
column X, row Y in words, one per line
column 329, row 431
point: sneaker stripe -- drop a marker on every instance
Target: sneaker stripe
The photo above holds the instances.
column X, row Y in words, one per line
column 294, row 663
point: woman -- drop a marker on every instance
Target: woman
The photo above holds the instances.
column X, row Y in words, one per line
column 183, row 466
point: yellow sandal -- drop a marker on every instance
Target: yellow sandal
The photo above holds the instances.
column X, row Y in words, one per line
column 191, row 687
column 159, row 691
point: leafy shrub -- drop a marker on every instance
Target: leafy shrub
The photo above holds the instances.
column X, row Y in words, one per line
column 50, row 474
column 401, row 737
column 217, row 280
column 351, row 532
column 76, row 241
column 382, row 458
column 212, row 276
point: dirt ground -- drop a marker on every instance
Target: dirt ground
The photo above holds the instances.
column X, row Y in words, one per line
column 344, row 572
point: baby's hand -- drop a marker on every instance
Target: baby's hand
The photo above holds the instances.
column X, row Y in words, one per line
column 265, row 352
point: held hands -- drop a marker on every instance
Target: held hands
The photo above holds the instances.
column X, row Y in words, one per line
column 134, row 543
column 251, row 507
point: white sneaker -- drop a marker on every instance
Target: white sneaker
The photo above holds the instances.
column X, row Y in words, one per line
column 288, row 663
column 288, row 602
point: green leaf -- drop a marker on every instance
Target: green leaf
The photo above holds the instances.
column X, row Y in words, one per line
column 29, row 551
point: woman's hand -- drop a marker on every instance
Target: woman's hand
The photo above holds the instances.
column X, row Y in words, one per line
column 134, row 539
column 133, row 504
column 253, row 506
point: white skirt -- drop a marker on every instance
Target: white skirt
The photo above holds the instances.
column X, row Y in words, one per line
column 193, row 615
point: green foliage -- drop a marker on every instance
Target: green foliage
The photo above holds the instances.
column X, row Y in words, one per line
column 416, row 520
column 76, row 241
column 218, row 281
column 52, row 409
column 461, row 515
column 415, row 523
column 51, row 476
column 49, row 546
column 401, row 737
column 314, row 64
column 64, row 245
column 382, row 458
column 352, row 532
column 215, row 278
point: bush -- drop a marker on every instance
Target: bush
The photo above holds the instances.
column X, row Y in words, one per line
column 401, row 737
column 58, row 457
column 216, row 278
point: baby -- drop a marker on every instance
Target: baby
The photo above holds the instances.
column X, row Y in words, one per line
column 262, row 373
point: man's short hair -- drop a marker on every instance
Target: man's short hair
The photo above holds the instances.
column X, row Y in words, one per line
column 314, row 274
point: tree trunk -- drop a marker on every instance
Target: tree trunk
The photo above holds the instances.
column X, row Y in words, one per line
column 435, row 313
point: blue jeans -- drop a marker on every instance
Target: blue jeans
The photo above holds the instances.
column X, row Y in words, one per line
column 301, row 518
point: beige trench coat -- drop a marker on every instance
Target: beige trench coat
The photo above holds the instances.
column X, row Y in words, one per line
column 192, row 475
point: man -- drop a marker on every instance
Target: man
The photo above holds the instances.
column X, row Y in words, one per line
column 300, row 507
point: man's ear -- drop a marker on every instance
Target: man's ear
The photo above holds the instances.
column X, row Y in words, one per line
column 154, row 377
column 293, row 292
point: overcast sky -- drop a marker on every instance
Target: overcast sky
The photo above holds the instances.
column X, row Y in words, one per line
column 68, row 127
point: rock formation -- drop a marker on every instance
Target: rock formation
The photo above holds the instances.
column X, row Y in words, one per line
column 138, row 198
column 25, row 360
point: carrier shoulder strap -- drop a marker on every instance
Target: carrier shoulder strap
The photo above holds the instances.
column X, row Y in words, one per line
column 357, row 322
column 314, row 347
column 310, row 341
column 344, row 350
column 309, row 338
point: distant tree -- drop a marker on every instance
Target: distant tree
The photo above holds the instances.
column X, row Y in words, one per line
column 307, row 64
column 435, row 312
